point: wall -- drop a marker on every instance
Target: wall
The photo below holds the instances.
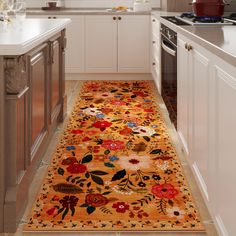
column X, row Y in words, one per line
column 176, row 5
column 92, row 3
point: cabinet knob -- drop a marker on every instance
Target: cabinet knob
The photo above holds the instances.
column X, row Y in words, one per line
column 190, row 47
column 114, row 18
column 119, row 18
column 54, row 17
column 153, row 42
column 153, row 63
column 49, row 17
column 186, row 46
column 153, row 20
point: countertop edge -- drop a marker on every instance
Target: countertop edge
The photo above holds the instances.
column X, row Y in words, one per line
column 22, row 48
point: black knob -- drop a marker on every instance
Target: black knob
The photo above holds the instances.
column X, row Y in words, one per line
column 153, row 20
column 114, row 18
column 119, row 18
column 153, row 63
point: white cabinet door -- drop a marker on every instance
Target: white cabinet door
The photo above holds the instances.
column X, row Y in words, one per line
column 75, row 45
column 101, row 44
column 75, row 49
column 133, row 44
column 199, row 119
column 223, row 117
column 183, row 79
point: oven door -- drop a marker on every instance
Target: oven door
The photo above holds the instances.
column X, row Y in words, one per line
column 169, row 77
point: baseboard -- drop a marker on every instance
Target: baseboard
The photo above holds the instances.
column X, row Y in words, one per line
column 108, row 76
column 220, row 226
column 183, row 142
column 201, row 181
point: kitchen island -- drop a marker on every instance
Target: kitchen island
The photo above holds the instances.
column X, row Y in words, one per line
column 32, row 102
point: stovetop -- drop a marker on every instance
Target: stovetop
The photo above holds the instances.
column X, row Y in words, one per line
column 189, row 18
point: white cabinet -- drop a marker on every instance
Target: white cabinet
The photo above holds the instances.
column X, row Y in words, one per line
column 101, row 43
column 75, row 51
column 117, row 44
column 155, row 52
column 207, row 127
column 133, row 44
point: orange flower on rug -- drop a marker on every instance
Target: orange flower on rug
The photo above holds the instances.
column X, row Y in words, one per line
column 115, row 167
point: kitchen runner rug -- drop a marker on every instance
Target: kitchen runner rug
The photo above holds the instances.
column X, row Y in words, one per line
column 115, row 168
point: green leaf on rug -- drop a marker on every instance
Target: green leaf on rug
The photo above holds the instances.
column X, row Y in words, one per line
column 156, row 151
column 107, row 152
column 108, row 164
column 87, row 158
column 119, row 175
column 60, row 171
column 90, row 209
column 87, row 175
column 146, row 138
column 97, row 180
column 84, row 205
column 65, row 213
column 98, row 172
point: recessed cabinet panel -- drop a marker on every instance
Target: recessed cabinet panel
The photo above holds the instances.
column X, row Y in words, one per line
column 133, row 44
column 225, row 95
column 101, row 41
column 38, row 75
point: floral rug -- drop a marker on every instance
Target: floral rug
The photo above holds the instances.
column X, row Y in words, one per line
column 115, row 168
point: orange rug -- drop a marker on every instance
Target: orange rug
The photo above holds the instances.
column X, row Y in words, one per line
column 115, row 168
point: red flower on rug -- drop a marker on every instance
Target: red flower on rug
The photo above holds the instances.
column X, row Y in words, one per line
column 77, row 131
column 51, row 211
column 126, row 131
column 85, row 139
column 121, row 207
column 102, row 125
column 118, row 102
column 76, row 168
column 69, row 160
column 139, row 93
column 96, row 200
column 106, row 110
column 69, row 201
column 113, row 144
column 148, row 110
column 164, row 191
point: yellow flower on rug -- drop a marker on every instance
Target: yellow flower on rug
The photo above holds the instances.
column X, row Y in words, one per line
column 115, row 168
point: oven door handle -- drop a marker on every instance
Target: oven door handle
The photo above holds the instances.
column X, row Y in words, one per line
column 167, row 49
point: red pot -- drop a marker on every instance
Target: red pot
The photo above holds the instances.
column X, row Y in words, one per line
column 208, row 7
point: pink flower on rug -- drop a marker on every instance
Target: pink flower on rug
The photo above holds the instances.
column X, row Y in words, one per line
column 77, row 131
column 113, row 144
column 118, row 102
column 121, row 207
column 102, row 125
column 76, row 168
column 51, row 211
column 164, row 191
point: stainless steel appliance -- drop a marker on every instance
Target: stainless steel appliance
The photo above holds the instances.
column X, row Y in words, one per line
column 169, row 71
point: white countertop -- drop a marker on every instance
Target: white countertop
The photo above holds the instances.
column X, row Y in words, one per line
column 16, row 39
column 220, row 40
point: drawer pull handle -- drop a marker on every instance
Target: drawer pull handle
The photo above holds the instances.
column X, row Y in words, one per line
column 119, row 18
column 114, row 18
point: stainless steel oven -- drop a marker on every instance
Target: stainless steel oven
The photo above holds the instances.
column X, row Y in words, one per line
column 169, row 71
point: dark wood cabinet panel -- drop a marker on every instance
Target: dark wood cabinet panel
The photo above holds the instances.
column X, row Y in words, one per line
column 55, row 78
column 38, row 91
